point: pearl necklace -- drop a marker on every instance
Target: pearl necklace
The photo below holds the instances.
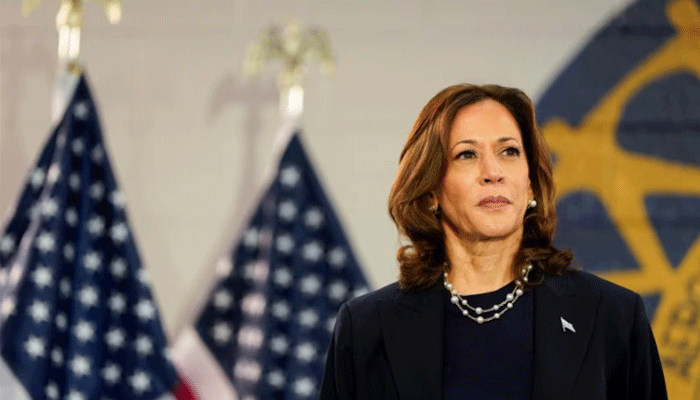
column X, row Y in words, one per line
column 496, row 309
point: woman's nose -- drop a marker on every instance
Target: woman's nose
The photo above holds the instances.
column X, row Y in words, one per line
column 491, row 171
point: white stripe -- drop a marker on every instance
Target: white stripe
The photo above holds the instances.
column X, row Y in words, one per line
column 10, row 387
column 64, row 89
column 200, row 369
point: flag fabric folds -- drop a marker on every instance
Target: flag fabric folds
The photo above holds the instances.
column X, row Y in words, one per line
column 268, row 319
column 77, row 317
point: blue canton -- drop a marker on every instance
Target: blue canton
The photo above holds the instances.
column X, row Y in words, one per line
column 77, row 318
column 268, row 320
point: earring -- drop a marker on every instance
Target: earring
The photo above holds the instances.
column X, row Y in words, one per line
column 532, row 203
column 435, row 209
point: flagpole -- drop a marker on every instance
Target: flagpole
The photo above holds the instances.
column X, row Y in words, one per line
column 293, row 46
column 69, row 22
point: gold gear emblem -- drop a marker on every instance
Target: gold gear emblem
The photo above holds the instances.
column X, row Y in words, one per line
column 589, row 159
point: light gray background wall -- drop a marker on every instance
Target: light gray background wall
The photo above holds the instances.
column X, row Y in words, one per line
column 188, row 141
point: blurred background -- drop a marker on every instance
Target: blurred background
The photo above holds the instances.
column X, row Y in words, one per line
column 175, row 114
column 190, row 142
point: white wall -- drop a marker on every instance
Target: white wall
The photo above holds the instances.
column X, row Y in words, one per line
column 180, row 140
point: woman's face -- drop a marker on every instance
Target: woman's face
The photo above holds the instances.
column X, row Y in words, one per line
column 486, row 188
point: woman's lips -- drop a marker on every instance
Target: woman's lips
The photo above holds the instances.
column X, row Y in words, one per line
column 494, row 202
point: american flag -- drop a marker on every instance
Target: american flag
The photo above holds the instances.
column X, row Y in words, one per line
column 77, row 318
column 267, row 321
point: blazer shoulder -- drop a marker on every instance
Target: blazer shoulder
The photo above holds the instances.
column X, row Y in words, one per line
column 615, row 301
column 367, row 301
column 586, row 281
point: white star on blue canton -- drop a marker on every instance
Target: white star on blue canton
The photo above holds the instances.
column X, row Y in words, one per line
column 115, row 338
column 337, row 257
column 145, row 310
column 92, row 261
column 39, row 311
column 49, row 208
column 312, row 251
column 281, row 310
column 140, row 381
column 251, row 238
column 75, row 395
column 221, row 332
column 42, row 277
column 61, row 321
column 142, row 276
column 313, row 218
column 310, row 284
column 289, row 176
column 74, row 181
column 69, row 252
column 97, row 154
column 77, row 146
column 71, row 217
column 96, row 225
column 52, row 391
column 118, row 268
column 337, row 291
column 117, row 303
column 111, row 373
column 84, row 331
column 305, row 352
column 65, row 287
column 283, row 277
column 97, row 191
column 247, row 370
column 287, row 210
column 37, row 178
column 144, row 345
column 117, row 199
column 46, row 242
column 304, row 387
column 7, row 244
column 80, row 365
column 119, row 233
column 279, row 344
column 81, row 110
column 223, row 299
column 276, row 379
column 57, row 356
column 284, row 244
column 251, row 337
column 88, row 296
column 308, row 318
column 35, row 346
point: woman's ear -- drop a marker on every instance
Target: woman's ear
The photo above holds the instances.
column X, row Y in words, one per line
column 433, row 201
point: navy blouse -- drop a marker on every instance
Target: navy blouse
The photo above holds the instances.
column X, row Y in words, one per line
column 493, row 360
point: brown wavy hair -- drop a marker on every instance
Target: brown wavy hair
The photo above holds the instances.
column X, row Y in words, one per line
column 421, row 170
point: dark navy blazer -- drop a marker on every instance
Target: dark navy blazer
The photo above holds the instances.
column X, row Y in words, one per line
column 388, row 344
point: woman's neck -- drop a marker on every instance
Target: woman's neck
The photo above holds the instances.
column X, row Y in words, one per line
column 480, row 266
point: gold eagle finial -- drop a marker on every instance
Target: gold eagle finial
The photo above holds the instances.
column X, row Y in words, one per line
column 294, row 46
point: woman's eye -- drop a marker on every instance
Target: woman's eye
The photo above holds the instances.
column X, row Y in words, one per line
column 512, row 151
column 466, row 154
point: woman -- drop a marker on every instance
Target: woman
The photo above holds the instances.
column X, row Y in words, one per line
column 485, row 306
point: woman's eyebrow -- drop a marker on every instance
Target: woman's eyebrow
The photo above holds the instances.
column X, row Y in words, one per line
column 472, row 141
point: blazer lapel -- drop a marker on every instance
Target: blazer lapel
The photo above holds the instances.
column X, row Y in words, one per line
column 559, row 351
column 412, row 329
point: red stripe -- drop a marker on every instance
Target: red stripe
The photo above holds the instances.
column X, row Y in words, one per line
column 183, row 391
